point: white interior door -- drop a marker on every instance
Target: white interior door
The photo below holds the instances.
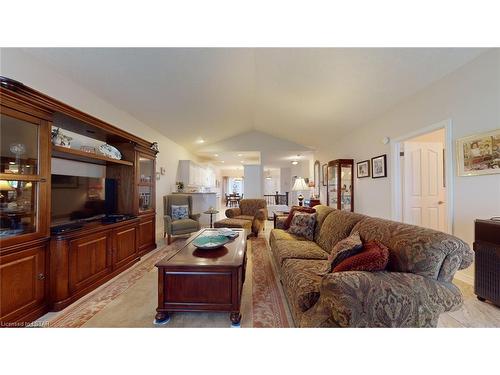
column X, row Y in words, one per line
column 423, row 185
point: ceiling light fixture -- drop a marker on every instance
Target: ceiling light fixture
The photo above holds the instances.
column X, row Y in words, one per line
column 201, row 140
column 240, row 155
column 242, row 161
column 222, row 161
column 295, row 162
column 216, row 155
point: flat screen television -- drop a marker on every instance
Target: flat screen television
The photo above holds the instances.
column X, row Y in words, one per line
column 76, row 198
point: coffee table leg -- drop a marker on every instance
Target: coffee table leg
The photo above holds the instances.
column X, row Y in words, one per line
column 162, row 318
column 235, row 318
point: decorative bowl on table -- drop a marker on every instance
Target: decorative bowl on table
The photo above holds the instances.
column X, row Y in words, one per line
column 210, row 242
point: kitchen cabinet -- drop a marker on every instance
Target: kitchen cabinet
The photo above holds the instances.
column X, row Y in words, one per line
column 196, row 175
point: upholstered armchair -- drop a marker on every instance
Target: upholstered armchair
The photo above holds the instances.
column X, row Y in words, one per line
column 174, row 227
column 254, row 210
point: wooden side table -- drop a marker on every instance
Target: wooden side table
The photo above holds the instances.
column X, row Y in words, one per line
column 211, row 213
column 314, row 202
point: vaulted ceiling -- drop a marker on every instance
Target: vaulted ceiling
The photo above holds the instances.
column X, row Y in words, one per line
column 304, row 95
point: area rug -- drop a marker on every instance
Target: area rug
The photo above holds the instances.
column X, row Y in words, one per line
column 268, row 300
column 82, row 310
column 109, row 305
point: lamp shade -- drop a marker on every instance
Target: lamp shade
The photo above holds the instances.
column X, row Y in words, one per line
column 5, row 186
column 299, row 185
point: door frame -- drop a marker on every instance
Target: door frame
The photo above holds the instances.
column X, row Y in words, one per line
column 396, row 188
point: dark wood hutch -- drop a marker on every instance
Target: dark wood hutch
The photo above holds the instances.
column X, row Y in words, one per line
column 40, row 272
column 340, row 184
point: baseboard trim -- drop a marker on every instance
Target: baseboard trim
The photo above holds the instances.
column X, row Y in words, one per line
column 464, row 278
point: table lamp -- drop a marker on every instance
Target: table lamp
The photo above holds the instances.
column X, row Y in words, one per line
column 300, row 186
column 4, row 186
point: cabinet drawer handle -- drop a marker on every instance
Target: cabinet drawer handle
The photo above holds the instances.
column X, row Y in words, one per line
column 41, row 276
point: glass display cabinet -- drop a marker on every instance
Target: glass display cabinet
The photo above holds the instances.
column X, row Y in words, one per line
column 23, row 177
column 340, row 184
column 146, row 182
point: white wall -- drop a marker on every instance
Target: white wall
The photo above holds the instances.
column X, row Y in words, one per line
column 232, row 172
column 271, row 184
column 22, row 67
column 253, row 187
column 470, row 97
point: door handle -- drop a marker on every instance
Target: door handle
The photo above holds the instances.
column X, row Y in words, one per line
column 441, row 202
column 41, row 276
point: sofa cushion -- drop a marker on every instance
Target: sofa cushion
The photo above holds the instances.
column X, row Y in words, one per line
column 301, row 280
column 374, row 257
column 418, row 250
column 243, row 217
column 336, row 226
column 295, row 209
column 303, row 225
column 184, row 224
column 321, row 213
column 345, row 248
column 298, row 250
column 280, row 234
column 249, row 207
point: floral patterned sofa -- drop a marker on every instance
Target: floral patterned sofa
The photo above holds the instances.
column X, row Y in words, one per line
column 416, row 288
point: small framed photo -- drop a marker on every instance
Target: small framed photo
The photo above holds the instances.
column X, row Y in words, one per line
column 479, row 154
column 323, row 174
column 363, row 168
column 379, row 166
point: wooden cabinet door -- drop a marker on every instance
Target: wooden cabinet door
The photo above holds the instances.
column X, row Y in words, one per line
column 147, row 233
column 125, row 247
column 23, row 283
column 89, row 259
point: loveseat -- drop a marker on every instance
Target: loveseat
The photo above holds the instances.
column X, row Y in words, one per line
column 413, row 291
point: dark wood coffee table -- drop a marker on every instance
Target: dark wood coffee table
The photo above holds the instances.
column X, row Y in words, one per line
column 202, row 280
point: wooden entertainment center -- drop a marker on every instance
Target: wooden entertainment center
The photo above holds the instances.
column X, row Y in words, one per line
column 40, row 272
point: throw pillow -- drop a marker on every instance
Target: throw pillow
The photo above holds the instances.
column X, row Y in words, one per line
column 374, row 257
column 345, row 248
column 180, row 212
column 303, row 225
column 288, row 221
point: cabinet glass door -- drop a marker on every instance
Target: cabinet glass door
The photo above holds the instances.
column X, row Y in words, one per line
column 19, row 146
column 18, row 207
column 146, row 183
column 332, row 186
column 22, row 175
column 346, row 187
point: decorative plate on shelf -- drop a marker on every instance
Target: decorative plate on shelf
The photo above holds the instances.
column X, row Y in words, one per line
column 210, row 242
column 110, row 151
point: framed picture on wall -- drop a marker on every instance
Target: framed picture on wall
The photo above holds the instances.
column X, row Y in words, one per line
column 363, row 168
column 379, row 166
column 323, row 174
column 479, row 154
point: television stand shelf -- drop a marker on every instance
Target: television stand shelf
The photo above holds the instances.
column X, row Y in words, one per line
column 41, row 272
column 72, row 154
column 110, row 248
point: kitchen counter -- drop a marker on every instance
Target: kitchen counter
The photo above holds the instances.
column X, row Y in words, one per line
column 194, row 192
column 201, row 203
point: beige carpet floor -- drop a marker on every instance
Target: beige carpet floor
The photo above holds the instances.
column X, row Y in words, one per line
column 130, row 300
